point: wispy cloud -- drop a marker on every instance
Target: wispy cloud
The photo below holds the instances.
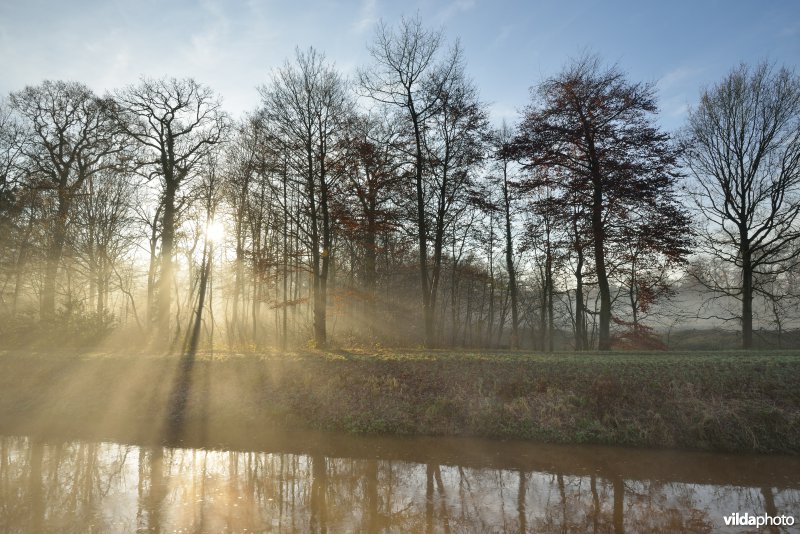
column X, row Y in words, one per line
column 207, row 45
column 679, row 76
column 454, row 8
column 502, row 36
column 677, row 88
column 367, row 16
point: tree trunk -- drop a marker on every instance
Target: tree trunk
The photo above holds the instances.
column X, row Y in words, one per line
column 543, row 312
column 102, row 281
column 152, row 314
column 438, row 245
column 284, row 323
column 370, row 263
column 56, row 249
column 747, row 300
column 512, row 276
column 194, row 338
column 22, row 260
column 238, row 282
column 550, row 290
column 321, row 301
column 167, row 247
column 598, row 232
column 422, row 237
column 581, row 340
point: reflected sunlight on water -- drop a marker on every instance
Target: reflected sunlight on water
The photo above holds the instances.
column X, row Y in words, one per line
column 107, row 487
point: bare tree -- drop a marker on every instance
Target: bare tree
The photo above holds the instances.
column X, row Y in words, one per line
column 454, row 147
column 10, row 149
column 68, row 137
column 13, row 250
column 501, row 141
column 743, row 147
column 307, row 103
column 244, row 159
column 209, row 193
column 405, row 63
column 104, row 217
column 176, row 124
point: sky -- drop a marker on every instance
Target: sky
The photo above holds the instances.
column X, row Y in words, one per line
column 510, row 46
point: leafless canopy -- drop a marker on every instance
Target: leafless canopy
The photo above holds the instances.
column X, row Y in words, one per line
column 743, row 147
column 176, row 123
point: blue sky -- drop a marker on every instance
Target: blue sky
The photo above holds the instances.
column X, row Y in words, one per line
column 509, row 46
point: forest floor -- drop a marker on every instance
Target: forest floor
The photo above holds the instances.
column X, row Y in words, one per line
column 713, row 400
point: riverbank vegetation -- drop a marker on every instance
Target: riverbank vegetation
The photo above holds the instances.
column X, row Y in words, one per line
column 731, row 401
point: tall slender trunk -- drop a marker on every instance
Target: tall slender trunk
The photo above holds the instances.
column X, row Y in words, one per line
column 54, row 253
column 598, row 232
column 438, row 245
column 490, row 318
column 543, row 312
column 320, row 315
column 152, row 271
column 454, row 303
column 205, row 269
column 370, row 257
column 512, row 275
column 238, row 282
column 633, row 297
column 284, row 331
column 550, row 290
column 102, row 281
column 166, row 270
column 370, row 274
column 581, row 341
column 94, row 275
column 501, row 324
column 22, row 260
column 422, row 230
column 256, row 291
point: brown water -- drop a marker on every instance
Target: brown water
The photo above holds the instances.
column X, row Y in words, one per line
column 311, row 482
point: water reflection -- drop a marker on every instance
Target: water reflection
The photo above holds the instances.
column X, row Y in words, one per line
column 107, row 487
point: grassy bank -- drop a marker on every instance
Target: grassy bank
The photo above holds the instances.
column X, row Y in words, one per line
column 733, row 401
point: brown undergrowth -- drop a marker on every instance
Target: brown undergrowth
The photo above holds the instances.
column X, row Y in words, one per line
column 731, row 401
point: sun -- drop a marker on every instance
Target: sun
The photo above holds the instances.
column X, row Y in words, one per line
column 215, row 231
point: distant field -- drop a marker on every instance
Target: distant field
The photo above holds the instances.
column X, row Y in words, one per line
column 714, row 400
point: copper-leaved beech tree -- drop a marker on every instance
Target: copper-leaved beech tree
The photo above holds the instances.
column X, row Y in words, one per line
column 592, row 123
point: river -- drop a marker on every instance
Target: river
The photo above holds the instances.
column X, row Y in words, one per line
column 317, row 482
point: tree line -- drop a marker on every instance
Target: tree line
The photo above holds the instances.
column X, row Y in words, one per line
column 388, row 209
